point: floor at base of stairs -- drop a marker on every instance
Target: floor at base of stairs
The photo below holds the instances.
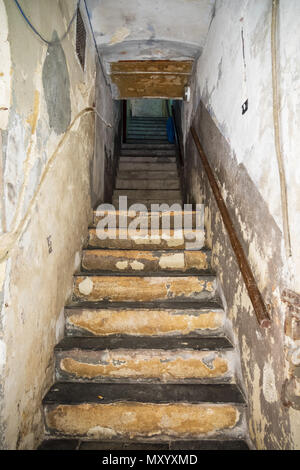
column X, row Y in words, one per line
column 74, row 444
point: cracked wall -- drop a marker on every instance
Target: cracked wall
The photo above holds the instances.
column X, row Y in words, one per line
column 235, row 66
column 47, row 135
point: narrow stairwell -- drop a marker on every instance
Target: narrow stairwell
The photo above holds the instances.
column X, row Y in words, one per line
column 145, row 362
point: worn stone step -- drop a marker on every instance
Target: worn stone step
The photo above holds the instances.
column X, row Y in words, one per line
column 166, row 146
column 144, row 287
column 122, row 183
column 105, row 319
column 147, row 175
column 148, row 194
column 125, row 166
column 142, row 137
column 121, row 238
column 204, row 444
column 139, row 410
column 148, row 203
column 147, row 159
column 173, row 359
column 146, row 131
column 180, row 218
column 146, row 151
column 146, row 261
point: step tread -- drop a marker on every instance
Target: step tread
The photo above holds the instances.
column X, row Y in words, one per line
column 204, row 444
column 72, row 393
column 93, row 343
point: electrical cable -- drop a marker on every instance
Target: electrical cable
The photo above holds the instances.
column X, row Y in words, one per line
column 50, row 43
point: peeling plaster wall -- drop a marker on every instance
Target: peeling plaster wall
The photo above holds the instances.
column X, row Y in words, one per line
column 47, row 136
column 241, row 152
column 107, row 141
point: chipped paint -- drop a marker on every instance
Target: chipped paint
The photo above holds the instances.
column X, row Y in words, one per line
column 119, row 35
column 86, row 286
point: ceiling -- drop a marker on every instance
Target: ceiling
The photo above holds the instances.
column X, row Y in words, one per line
column 167, row 35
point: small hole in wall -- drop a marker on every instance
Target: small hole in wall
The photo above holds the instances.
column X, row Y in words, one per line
column 80, row 39
column 49, row 242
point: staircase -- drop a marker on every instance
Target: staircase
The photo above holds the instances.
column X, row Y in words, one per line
column 145, row 362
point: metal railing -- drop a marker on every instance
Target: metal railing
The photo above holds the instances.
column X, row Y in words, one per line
column 259, row 306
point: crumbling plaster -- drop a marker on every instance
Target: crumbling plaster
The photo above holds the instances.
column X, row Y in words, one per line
column 141, row 30
column 47, row 137
column 241, row 152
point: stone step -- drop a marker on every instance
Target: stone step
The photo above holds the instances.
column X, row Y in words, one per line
column 147, row 159
column 147, row 184
column 146, row 261
column 146, row 151
column 151, row 194
column 205, row 444
column 166, row 146
column 123, row 239
column 125, row 166
column 172, row 359
column 100, row 319
column 139, row 410
column 153, row 130
column 147, row 141
column 180, row 218
column 147, row 175
column 144, row 287
column 148, row 203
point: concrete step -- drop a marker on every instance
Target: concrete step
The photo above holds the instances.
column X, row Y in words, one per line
column 147, row 175
column 148, row 194
column 172, row 359
column 163, row 219
column 139, row 411
column 149, row 146
column 147, row 159
column 125, row 166
column 92, row 319
column 123, row 239
column 205, row 444
column 147, row 139
column 148, row 203
column 144, row 287
column 147, row 151
column 146, row 261
column 147, row 184
column 155, row 130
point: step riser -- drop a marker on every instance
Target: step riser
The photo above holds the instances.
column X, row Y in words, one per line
column 153, row 159
column 146, row 261
column 135, row 420
column 143, row 365
column 143, row 322
column 140, row 242
column 139, row 194
column 147, row 184
column 146, row 151
column 148, row 175
column 124, row 166
column 167, row 218
column 158, row 147
column 148, row 202
column 143, row 289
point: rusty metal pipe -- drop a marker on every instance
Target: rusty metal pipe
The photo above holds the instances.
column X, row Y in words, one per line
column 253, row 291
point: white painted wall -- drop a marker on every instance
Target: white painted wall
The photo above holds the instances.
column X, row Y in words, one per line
column 223, row 83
